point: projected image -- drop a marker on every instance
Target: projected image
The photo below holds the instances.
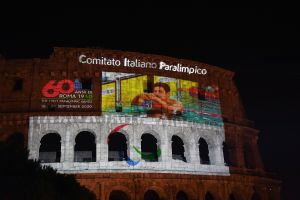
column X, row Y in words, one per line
column 67, row 95
column 160, row 97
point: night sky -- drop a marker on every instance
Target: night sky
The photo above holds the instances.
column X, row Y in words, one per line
column 260, row 45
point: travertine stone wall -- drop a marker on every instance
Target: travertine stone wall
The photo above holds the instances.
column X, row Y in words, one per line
column 69, row 126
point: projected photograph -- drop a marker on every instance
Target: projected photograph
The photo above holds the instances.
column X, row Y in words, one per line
column 160, row 97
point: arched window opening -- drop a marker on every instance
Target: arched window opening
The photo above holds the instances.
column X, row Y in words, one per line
column 85, row 147
column 177, row 148
column 204, row 152
column 181, row 196
column 209, row 196
column 226, row 154
column 50, row 148
column 150, row 151
column 118, row 195
column 151, row 195
column 117, row 147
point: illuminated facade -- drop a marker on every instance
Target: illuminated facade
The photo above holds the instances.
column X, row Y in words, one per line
column 135, row 126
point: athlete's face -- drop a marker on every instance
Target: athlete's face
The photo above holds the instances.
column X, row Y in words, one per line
column 160, row 92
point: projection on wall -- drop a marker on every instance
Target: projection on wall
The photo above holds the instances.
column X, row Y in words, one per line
column 160, row 97
column 67, row 94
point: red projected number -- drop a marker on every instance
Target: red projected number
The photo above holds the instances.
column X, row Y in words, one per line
column 52, row 90
column 62, row 90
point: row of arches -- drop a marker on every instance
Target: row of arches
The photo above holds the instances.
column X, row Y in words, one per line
column 180, row 195
column 85, row 148
column 149, row 195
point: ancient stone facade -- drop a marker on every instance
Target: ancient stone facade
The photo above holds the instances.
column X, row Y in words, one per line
column 237, row 175
column 163, row 130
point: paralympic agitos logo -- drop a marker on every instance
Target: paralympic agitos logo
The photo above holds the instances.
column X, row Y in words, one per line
column 143, row 155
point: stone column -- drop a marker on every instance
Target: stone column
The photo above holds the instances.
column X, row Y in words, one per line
column 34, row 140
column 62, row 149
column 97, row 130
column 69, row 146
column 134, row 140
column 103, row 143
column 165, row 145
column 98, row 150
column 217, row 155
column 194, row 149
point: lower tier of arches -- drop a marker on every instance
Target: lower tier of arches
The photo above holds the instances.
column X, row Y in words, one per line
column 157, row 186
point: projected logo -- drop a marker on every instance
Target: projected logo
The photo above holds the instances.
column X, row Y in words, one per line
column 66, row 94
column 144, row 155
column 160, row 97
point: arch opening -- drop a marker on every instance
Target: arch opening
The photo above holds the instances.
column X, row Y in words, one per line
column 117, row 147
column 118, row 195
column 181, row 196
column 203, row 152
column 50, row 148
column 149, row 148
column 178, row 148
column 151, row 195
column 85, row 147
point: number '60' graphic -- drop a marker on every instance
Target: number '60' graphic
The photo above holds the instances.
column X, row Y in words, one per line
column 51, row 89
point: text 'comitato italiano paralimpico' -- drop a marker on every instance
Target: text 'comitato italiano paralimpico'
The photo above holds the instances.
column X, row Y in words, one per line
column 136, row 63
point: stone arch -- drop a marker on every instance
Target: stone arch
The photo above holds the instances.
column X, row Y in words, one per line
column 204, row 151
column 37, row 139
column 122, row 188
column 50, row 148
column 85, row 147
column 118, row 146
column 118, row 195
column 125, row 133
column 208, row 138
column 85, row 130
column 181, row 195
column 159, row 191
column 190, row 190
column 151, row 195
column 43, row 133
column 209, row 196
column 154, row 133
column 178, row 148
column 150, row 148
column 186, row 143
column 237, row 192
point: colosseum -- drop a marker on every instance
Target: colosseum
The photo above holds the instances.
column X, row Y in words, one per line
column 136, row 126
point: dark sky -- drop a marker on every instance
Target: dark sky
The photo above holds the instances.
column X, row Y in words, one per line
column 260, row 45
